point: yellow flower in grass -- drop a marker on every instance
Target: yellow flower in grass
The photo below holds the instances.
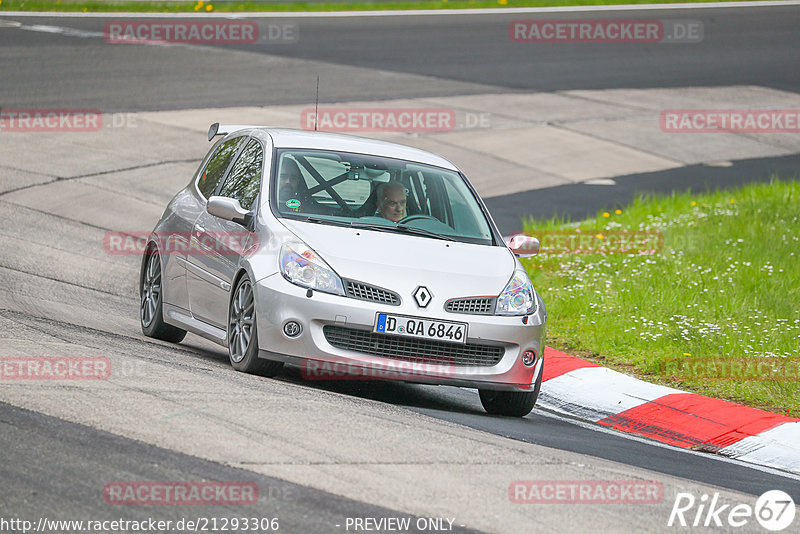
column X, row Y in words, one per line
column 209, row 7
column 686, row 354
column 599, row 236
column 732, row 201
column 694, row 203
column 606, row 214
column 618, row 212
column 502, row 2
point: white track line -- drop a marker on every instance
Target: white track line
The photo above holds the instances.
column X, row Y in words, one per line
column 407, row 13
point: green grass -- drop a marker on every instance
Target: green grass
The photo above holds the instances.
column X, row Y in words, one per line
column 279, row 5
column 725, row 288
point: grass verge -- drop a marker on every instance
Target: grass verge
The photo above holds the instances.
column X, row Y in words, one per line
column 282, row 6
column 715, row 311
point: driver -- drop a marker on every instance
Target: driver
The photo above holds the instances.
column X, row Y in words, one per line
column 392, row 201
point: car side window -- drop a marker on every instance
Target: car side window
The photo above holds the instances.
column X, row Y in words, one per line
column 216, row 166
column 244, row 180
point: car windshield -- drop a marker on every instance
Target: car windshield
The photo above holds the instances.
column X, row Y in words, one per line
column 378, row 193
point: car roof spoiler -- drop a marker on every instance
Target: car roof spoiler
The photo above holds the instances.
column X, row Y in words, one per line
column 224, row 129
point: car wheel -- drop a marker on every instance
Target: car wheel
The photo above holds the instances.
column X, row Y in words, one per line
column 243, row 333
column 511, row 403
column 150, row 310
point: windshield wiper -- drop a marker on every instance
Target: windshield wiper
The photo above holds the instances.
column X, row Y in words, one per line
column 400, row 228
column 347, row 224
column 419, row 231
column 320, row 220
column 372, row 226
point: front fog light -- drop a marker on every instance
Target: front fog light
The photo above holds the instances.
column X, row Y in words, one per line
column 292, row 328
column 529, row 358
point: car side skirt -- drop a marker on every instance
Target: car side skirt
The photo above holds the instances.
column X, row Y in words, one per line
column 182, row 319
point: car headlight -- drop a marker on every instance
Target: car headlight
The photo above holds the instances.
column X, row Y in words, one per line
column 518, row 296
column 302, row 266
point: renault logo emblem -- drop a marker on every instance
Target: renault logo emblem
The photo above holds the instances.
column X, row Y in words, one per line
column 422, row 296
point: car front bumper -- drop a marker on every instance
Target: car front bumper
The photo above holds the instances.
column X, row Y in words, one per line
column 279, row 301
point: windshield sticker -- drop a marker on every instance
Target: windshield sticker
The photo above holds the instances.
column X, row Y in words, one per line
column 293, row 203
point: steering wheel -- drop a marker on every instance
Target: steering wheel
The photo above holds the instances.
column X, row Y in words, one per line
column 417, row 217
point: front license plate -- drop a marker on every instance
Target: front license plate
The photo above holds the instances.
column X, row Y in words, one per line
column 401, row 325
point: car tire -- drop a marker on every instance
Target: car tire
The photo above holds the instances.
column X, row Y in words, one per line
column 151, row 316
column 243, row 333
column 511, row 403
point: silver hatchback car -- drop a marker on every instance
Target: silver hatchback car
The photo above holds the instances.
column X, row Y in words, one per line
column 350, row 258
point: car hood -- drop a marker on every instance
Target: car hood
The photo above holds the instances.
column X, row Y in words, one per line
column 401, row 262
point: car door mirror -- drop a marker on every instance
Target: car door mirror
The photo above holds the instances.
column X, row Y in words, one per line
column 229, row 209
column 523, row 246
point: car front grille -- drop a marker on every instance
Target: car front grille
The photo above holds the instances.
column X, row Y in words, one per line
column 361, row 291
column 474, row 305
column 412, row 350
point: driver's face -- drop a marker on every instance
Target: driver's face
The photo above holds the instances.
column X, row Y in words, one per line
column 288, row 183
column 393, row 206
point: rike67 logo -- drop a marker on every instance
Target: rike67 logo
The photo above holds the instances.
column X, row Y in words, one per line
column 774, row 510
